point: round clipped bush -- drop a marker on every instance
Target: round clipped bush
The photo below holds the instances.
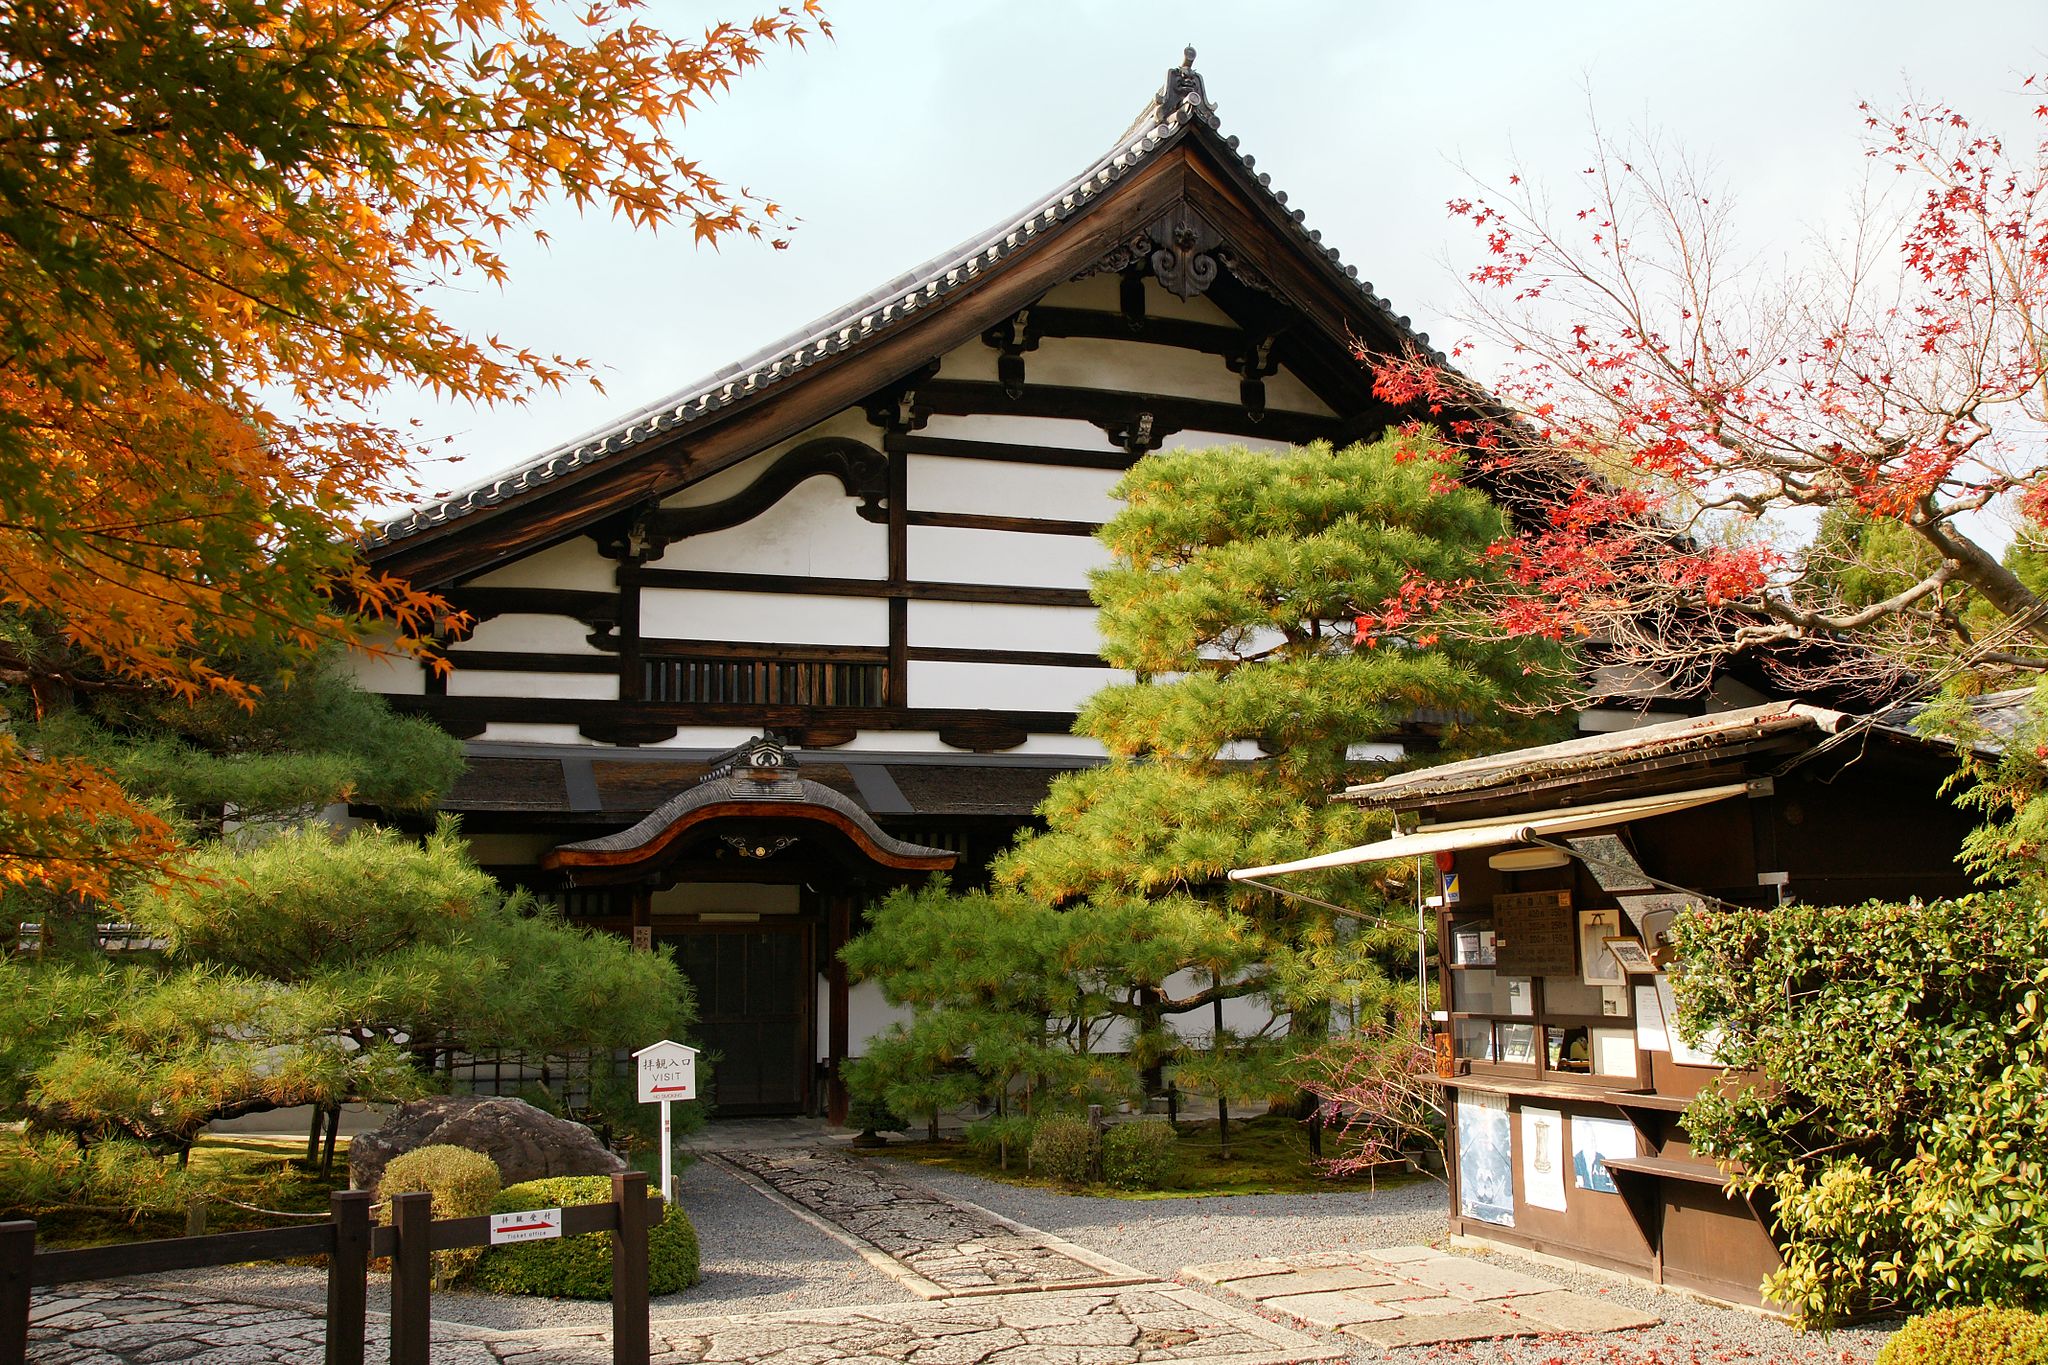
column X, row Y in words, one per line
column 1138, row 1156
column 581, row 1267
column 1970, row 1336
column 462, row 1184
column 1063, row 1149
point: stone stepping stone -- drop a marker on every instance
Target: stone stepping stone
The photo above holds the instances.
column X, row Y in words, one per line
column 1469, row 1324
column 1398, row 1255
column 1331, row 1310
column 1224, row 1272
column 1470, row 1279
column 1563, row 1311
column 1307, row 1282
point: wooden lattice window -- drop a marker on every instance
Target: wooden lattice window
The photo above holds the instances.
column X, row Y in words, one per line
column 785, row 677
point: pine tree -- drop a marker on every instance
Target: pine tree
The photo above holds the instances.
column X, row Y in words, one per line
column 1280, row 615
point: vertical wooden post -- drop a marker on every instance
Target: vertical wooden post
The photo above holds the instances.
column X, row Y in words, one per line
column 412, row 1277
column 17, row 1254
column 629, row 1269
column 838, row 929
column 313, row 1134
column 348, row 1273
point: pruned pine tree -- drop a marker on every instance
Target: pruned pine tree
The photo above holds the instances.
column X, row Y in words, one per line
column 1281, row 616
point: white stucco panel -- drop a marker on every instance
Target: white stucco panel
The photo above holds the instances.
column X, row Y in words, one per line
column 1204, row 440
column 868, row 1014
column 1059, row 433
column 1007, row 687
column 941, row 483
column 485, row 682
column 813, row 530
column 850, row 423
column 952, row 554
column 988, row 625
column 393, row 674
column 528, row 633
column 785, row 618
column 575, row 563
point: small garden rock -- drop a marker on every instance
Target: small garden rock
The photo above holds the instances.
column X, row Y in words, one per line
column 525, row 1142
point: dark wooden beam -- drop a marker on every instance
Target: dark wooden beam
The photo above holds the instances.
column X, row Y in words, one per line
column 915, row 444
column 468, row 715
column 1043, row 658
column 804, row 585
column 976, row 521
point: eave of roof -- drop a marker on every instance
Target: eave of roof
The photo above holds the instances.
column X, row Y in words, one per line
column 882, row 310
column 1593, row 754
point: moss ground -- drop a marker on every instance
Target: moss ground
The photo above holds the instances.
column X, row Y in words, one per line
column 269, row 1175
column 1268, row 1155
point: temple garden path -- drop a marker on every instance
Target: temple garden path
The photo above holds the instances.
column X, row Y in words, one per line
column 815, row 1255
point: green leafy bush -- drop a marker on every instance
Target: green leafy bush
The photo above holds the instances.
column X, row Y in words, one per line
column 1970, row 1336
column 1138, row 1156
column 581, row 1267
column 49, row 1171
column 1063, row 1150
column 1909, row 1044
column 462, row 1184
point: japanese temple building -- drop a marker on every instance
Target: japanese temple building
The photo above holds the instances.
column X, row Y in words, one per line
column 820, row 624
column 1561, row 869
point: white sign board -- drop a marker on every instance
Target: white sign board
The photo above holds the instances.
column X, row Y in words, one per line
column 666, row 1071
column 533, row 1225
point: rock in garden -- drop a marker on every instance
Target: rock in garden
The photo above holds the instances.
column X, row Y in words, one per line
column 527, row 1143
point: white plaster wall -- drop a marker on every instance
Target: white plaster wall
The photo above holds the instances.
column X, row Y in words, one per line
column 391, row 674
column 529, row 732
column 1058, row 433
column 1242, row 1015
column 939, row 483
column 1204, row 440
column 1006, row 687
column 953, row 554
column 1104, row 294
column 867, row 1014
column 487, row 682
column 813, row 530
column 975, row 361
column 992, row 625
column 575, row 563
column 687, row 614
column 529, row 632
column 849, row 422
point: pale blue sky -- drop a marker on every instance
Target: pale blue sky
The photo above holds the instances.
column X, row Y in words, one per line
column 925, row 123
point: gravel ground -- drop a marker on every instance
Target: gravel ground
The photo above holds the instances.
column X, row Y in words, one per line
column 756, row 1258
column 1163, row 1235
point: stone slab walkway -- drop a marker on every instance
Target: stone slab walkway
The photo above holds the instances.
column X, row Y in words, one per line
column 1414, row 1296
column 127, row 1324
column 935, row 1246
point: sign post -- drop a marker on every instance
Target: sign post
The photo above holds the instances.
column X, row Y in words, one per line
column 666, row 1072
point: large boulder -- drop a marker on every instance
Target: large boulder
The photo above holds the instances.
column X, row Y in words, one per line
column 526, row 1143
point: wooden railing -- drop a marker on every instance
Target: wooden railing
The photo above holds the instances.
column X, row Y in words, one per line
column 349, row 1241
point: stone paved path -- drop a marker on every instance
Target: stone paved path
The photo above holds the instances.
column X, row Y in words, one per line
column 1414, row 1296
column 935, row 1246
column 129, row 1324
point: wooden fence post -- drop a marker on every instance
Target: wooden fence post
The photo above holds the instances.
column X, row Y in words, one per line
column 17, row 1255
column 412, row 1277
column 348, row 1271
column 629, row 1269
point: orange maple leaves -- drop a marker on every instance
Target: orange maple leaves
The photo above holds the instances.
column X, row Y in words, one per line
column 216, row 221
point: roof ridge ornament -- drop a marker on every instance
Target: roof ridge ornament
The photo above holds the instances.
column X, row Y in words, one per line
column 1184, row 85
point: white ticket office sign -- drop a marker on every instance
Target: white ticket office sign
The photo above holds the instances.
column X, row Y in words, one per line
column 531, row 1225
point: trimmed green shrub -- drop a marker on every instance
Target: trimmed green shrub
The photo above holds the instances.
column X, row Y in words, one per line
column 1063, row 1150
column 581, row 1267
column 1898, row 1128
column 1970, row 1336
column 1138, row 1156
column 461, row 1182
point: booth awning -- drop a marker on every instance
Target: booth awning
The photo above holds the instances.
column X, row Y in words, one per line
column 1504, row 830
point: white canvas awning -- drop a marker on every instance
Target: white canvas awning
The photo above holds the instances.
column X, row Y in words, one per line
column 1512, row 829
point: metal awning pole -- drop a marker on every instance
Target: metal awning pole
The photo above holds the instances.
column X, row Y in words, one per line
column 1314, row 900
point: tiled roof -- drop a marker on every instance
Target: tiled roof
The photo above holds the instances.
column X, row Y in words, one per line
column 907, row 296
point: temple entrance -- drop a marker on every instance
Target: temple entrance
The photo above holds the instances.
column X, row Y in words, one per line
column 753, row 1009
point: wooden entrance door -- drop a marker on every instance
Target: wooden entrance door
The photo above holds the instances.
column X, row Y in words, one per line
column 753, row 1009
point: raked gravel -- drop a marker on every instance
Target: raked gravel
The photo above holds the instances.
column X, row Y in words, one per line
column 1165, row 1234
column 756, row 1258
